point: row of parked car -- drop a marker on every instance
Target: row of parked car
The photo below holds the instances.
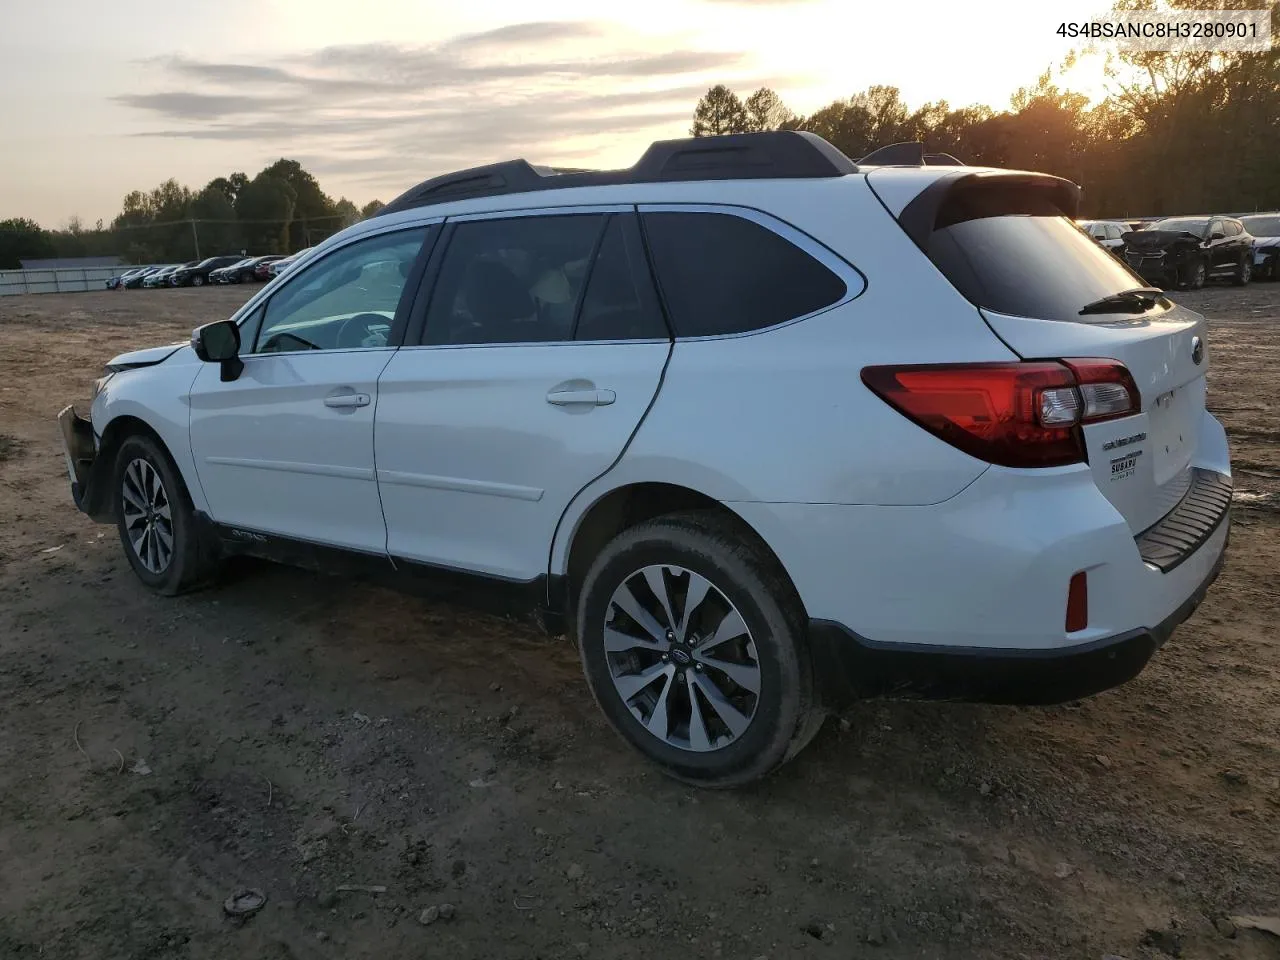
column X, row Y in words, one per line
column 198, row 273
column 1185, row 252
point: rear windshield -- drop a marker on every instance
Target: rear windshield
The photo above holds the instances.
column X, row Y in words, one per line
column 1185, row 225
column 1028, row 264
column 1262, row 226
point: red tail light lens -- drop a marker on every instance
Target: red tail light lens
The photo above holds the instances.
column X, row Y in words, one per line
column 1078, row 602
column 1013, row 414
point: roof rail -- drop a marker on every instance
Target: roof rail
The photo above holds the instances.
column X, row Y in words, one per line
column 908, row 153
column 779, row 154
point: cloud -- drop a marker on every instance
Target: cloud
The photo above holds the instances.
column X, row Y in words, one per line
column 392, row 114
column 182, row 105
column 545, row 31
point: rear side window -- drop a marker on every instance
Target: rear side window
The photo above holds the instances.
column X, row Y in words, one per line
column 1029, row 263
column 722, row 274
column 620, row 303
column 1233, row 228
column 514, row 280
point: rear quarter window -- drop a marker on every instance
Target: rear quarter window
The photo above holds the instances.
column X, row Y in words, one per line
column 721, row 274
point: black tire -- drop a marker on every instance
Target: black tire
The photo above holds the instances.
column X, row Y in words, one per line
column 197, row 281
column 1194, row 275
column 786, row 715
column 1244, row 272
column 190, row 563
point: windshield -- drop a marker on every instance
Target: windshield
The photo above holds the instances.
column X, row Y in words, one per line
column 1028, row 265
column 1196, row 225
column 1262, row 226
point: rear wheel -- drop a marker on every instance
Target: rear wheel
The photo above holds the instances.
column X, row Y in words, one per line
column 693, row 644
column 1244, row 272
column 155, row 519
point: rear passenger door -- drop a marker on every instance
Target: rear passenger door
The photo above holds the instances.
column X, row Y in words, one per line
column 1236, row 245
column 536, row 348
column 1220, row 251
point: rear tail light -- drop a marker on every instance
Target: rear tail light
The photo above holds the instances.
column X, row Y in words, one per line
column 1025, row 414
column 1106, row 389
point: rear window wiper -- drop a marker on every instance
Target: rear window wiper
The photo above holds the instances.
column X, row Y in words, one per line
column 1143, row 298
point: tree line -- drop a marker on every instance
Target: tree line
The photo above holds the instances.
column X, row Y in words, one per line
column 1178, row 132
column 281, row 210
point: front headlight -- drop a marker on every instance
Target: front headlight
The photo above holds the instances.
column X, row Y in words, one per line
column 98, row 386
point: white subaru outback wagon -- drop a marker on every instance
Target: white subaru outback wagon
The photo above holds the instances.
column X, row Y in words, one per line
column 760, row 427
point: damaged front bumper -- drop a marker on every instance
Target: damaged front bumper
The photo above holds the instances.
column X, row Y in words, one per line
column 85, row 469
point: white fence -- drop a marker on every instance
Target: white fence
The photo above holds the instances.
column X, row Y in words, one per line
column 59, row 280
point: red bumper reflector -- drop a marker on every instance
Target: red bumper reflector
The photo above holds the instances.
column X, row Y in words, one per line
column 1078, row 603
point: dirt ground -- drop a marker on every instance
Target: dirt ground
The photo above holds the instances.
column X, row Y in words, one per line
column 296, row 734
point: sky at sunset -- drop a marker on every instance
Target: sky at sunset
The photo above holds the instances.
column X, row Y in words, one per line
column 373, row 96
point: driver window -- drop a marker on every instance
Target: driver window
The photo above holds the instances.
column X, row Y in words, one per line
column 346, row 300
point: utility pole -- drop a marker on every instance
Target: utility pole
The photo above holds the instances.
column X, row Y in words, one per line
column 195, row 237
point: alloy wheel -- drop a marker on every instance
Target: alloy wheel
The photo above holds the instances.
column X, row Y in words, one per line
column 148, row 517
column 682, row 658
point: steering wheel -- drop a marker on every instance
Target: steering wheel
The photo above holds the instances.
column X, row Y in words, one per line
column 359, row 331
column 280, row 342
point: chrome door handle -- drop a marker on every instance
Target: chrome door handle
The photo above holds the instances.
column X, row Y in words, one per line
column 595, row 398
column 348, row 400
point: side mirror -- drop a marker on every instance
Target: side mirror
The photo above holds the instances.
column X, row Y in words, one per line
column 1217, row 235
column 219, row 343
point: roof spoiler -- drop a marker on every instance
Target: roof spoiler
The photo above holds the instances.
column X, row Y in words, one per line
column 908, row 153
column 968, row 194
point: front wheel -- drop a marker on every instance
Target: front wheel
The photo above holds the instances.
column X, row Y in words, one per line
column 1193, row 276
column 155, row 519
column 693, row 643
column 197, row 281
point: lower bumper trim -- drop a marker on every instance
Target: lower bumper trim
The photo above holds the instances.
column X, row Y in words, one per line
column 851, row 667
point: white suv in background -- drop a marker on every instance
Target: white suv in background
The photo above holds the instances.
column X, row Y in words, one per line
column 759, row 427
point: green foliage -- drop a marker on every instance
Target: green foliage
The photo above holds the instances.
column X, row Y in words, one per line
column 281, row 210
column 370, row 208
column 23, row 239
column 266, row 208
column 219, row 232
column 1180, row 133
column 313, row 212
column 718, row 112
column 347, row 211
column 766, row 111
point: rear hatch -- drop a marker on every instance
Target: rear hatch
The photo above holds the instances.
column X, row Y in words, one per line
column 1006, row 241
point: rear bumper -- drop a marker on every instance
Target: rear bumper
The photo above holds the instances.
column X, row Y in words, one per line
column 967, row 598
column 852, row 667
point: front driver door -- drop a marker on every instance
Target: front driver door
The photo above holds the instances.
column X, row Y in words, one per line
column 287, row 447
